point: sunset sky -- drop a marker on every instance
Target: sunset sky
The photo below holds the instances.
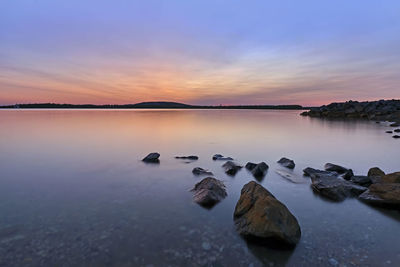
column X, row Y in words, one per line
column 199, row 52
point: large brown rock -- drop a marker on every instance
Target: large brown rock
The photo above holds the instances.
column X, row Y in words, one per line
column 391, row 178
column 383, row 194
column 209, row 192
column 259, row 216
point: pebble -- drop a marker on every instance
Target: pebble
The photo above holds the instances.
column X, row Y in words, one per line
column 333, row 262
column 206, row 246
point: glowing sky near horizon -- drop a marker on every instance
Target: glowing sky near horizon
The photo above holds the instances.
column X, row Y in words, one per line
column 199, row 52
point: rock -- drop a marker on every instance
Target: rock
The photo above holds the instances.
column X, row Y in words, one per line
column 260, row 217
column 220, row 157
column 335, row 168
column 389, row 132
column 288, row 163
column 188, row 157
column 348, row 174
column 209, row 192
column 258, row 170
column 361, row 180
column 391, row 178
column 290, row 177
column 394, row 124
column 152, row 158
column 201, row 171
column 334, row 188
column 383, row 194
column 396, row 130
column 375, row 171
column 396, row 136
column 231, row 167
column 310, row 171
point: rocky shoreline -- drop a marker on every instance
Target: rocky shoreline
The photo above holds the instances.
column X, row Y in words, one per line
column 381, row 110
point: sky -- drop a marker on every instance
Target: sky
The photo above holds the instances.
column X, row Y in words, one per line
column 212, row 52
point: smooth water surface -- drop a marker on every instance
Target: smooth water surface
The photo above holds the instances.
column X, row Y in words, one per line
column 74, row 192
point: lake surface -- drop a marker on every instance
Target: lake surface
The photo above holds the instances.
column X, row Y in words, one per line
column 74, row 192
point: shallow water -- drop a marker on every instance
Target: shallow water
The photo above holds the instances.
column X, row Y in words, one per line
column 73, row 190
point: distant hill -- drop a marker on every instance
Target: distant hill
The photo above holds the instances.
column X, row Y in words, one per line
column 147, row 105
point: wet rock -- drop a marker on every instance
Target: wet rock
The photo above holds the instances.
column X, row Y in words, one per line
column 290, row 177
column 188, row 157
column 221, row 157
column 383, row 194
column 201, row 171
column 209, row 192
column 348, row 174
column 311, row 171
column 361, row 180
column 258, row 170
column 396, row 130
column 375, row 171
column 152, row 157
column 396, row 136
column 395, row 124
column 260, row 217
column 389, row 132
column 288, row 163
column 231, row 167
column 334, row 188
column 391, row 178
column 335, row 168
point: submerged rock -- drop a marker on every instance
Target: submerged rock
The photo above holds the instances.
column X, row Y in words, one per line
column 231, row 167
column 221, row 157
column 258, row 170
column 152, row 158
column 383, row 194
column 260, row 217
column 395, row 124
column 290, row 176
column 188, row 157
column 201, row 171
column 391, row 178
column 209, row 192
column 288, row 163
column 334, row 188
column 335, row 168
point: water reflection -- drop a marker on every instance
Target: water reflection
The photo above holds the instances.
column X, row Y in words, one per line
column 74, row 191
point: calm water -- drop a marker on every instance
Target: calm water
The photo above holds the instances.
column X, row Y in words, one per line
column 73, row 190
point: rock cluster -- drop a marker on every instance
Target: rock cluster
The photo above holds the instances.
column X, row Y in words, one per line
column 382, row 110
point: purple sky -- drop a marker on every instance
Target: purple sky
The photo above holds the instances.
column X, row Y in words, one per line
column 199, row 52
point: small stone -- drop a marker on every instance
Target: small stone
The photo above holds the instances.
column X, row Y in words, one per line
column 333, row 262
column 206, row 246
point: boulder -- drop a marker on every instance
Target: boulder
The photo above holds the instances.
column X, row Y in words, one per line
column 383, row 194
column 258, row 170
column 375, row 171
column 334, row 188
column 152, row 158
column 221, row 157
column 209, row 192
column 396, row 136
column 391, row 178
column 188, row 157
column 288, row 163
column 335, row 168
column 231, row 167
column 201, row 171
column 310, row 171
column 260, row 217
column 361, row 180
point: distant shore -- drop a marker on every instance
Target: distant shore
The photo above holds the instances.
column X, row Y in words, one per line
column 149, row 105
